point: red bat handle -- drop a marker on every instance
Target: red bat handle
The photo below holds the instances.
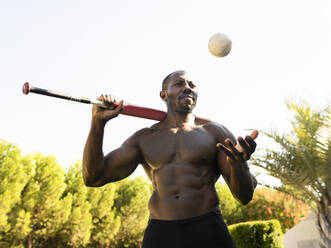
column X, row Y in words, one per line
column 143, row 112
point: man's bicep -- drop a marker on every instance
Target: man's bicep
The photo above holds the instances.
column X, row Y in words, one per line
column 118, row 165
column 121, row 163
column 222, row 133
column 224, row 166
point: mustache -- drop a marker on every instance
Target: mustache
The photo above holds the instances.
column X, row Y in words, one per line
column 185, row 94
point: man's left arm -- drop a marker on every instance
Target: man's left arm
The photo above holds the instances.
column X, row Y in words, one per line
column 232, row 161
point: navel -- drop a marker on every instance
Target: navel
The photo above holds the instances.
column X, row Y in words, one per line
column 177, row 194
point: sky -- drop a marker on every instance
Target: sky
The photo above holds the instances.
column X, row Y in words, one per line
column 281, row 51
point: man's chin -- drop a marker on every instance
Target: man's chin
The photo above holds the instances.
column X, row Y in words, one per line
column 185, row 109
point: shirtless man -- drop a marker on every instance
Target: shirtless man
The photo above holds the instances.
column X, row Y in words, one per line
column 183, row 156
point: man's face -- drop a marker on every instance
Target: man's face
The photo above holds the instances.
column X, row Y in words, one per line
column 181, row 92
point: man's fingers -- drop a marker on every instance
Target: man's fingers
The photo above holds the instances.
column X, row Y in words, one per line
column 119, row 108
column 254, row 134
column 243, row 150
column 243, row 144
column 251, row 143
column 231, row 146
column 108, row 100
column 111, row 98
column 226, row 150
column 113, row 112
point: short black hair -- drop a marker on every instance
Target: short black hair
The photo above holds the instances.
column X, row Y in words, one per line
column 165, row 82
column 167, row 78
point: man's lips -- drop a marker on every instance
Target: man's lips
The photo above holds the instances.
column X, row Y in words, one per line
column 186, row 96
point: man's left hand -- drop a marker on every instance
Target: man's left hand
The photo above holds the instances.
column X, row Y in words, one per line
column 240, row 153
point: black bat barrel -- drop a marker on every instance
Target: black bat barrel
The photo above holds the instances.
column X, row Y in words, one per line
column 27, row 89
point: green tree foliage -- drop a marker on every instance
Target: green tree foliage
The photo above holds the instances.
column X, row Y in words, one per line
column 42, row 199
column 30, row 194
column 15, row 171
column 131, row 203
column 41, row 206
column 76, row 231
column 303, row 162
column 105, row 222
column 267, row 204
column 231, row 209
column 270, row 204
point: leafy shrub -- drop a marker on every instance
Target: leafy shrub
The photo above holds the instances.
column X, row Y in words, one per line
column 257, row 234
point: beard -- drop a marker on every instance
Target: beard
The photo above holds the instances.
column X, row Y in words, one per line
column 182, row 103
column 185, row 105
column 184, row 109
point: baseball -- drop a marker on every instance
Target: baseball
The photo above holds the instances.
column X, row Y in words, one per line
column 219, row 45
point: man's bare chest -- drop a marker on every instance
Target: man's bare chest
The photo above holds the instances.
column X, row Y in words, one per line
column 192, row 145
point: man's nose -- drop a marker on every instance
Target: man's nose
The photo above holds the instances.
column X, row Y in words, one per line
column 187, row 87
column 187, row 90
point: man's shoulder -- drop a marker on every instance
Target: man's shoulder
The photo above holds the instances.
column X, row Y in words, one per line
column 142, row 132
column 136, row 137
column 209, row 124
column 215, row 128
column 202, row 121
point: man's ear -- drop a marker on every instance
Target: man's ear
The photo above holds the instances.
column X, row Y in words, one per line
column 163, row 95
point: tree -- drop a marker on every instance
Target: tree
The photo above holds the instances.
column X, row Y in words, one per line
column 76, row 232
column 231, row 209
column 268, row 204
column 105, row 222
column 31, row 208
column 303, row 162
column 131, row 204
column 15, row 171
column 42, row 199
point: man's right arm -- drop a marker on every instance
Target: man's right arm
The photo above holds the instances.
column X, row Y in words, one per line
column 118, row 164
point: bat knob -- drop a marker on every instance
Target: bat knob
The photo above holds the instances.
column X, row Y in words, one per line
column 26, row 88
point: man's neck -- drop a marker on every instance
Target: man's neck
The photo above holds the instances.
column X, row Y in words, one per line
column 179, row 119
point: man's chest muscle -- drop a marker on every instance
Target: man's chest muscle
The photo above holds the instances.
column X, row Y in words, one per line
column 176, row 145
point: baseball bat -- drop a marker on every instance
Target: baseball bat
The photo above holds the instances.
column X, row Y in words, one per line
column 128, row 109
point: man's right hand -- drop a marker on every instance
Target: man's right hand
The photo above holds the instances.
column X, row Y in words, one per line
column 105, row 114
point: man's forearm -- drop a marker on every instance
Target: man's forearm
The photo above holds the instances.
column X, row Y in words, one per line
column 93, row 158
column 242, row 183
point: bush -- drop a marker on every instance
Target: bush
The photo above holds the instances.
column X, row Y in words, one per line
column 257, row 234
column 267, row 204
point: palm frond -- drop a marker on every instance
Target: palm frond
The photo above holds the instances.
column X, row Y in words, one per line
column 303, row 159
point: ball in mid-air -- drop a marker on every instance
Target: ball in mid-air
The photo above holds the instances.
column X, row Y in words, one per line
column 219, row 45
